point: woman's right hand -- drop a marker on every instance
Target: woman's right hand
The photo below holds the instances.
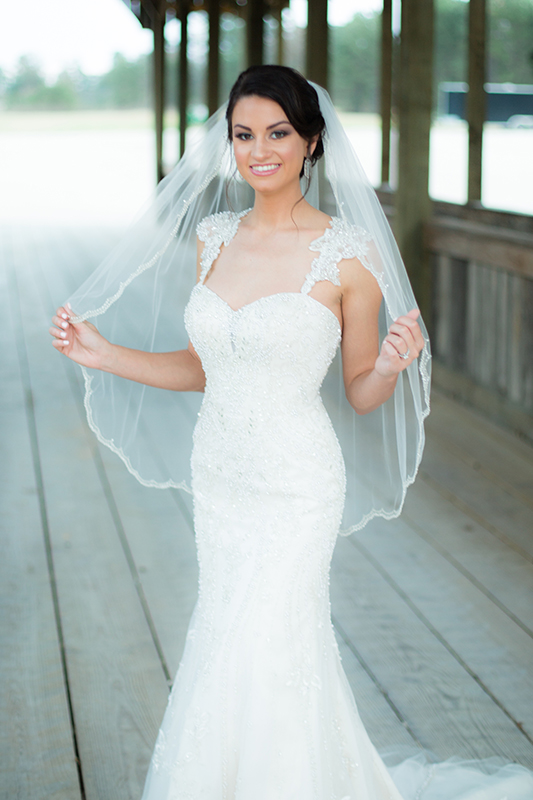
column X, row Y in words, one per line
column 81, row 342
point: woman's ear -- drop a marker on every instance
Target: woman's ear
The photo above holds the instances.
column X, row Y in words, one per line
column 311, row 146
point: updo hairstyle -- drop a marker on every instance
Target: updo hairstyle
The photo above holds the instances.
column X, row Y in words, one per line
column 290, row 90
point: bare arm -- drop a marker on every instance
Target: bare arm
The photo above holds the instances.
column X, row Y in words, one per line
column 180, row 370
column 370, row 373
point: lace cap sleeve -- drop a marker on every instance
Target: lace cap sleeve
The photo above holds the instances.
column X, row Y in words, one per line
column 214, row 231
column 340, row 240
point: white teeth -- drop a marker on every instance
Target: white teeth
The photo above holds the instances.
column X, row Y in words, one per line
column 266, row 168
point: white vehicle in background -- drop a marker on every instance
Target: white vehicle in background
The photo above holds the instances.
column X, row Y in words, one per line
column 520, row 121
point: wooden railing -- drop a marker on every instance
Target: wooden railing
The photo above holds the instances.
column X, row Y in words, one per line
column 481, row 265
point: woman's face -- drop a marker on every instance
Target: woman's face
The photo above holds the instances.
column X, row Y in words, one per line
column 268, row 150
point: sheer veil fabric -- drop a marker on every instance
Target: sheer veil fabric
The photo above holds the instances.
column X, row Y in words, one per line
column 138, row 294
column 137, row 297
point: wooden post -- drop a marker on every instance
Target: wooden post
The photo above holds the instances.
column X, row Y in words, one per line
column 413, row 205
column 279, row 17
column 475, row 102
column 254, row 32
column 213, row 65
column 183, row 77
column 316, row 61
column 386, row 90
column 158, row 27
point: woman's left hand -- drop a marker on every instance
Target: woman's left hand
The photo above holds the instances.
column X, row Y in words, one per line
column 402, row 345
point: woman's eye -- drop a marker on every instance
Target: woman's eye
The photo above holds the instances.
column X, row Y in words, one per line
column 243, row 136
column 279, row 134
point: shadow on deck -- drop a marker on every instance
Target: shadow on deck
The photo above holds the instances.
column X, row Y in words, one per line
column 433, row 611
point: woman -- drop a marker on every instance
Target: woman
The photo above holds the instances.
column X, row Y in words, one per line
column 261, row 708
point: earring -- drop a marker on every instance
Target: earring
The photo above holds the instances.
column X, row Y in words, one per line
column 307, row 168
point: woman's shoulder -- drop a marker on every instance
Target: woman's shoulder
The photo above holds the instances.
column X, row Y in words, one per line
column 219, row 226
column 342, row 239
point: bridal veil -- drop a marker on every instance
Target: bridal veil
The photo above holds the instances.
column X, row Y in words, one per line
column 137, row 297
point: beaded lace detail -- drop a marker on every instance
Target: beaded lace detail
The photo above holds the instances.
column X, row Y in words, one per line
column 214, row 231
column 340, row 240
column 259, row 710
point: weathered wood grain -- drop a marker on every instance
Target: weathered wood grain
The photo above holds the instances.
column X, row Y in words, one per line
column 507, row 517
column 158, row 524
column 496, row 453
column 37, row 750
column 163, row 547
column 444, row 706
column 498, row 655
column 498, row 570
column 381, row 719
column 117, row 683
column 433, row 615
column 485, row 244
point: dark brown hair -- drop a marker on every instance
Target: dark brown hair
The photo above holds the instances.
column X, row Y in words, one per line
column 290, row 90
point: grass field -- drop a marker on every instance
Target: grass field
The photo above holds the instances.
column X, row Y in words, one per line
column 97, row 167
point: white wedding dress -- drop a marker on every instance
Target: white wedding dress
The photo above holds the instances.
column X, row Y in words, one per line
column 261, row 708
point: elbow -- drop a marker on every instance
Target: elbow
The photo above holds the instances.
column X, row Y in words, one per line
column 361, row 411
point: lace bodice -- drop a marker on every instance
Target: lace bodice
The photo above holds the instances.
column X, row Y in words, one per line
column 340, row 240
column 260, row 675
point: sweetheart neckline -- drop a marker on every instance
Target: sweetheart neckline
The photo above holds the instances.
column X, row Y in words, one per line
column 269, row 297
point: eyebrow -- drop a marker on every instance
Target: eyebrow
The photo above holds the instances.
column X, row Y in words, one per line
column 269, row 127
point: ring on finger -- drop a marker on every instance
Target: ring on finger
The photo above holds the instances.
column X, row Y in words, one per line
column 405, row 355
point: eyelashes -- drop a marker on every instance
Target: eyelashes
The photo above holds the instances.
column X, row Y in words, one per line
column 245, row 137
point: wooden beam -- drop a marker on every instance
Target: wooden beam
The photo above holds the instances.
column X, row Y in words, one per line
column 475, row 102
column 281, row 48
column 213, row 66
column 501, row 248
column 183, row 97
column 316, row 61
column 386, row 89
column 254, row 32
column 413, row 206
column 158, row 27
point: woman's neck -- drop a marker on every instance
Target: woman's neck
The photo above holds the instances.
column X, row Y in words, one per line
column 278, row 211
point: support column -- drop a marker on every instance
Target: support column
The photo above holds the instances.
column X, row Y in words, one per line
column 476, row 99
column 183, row 83
column 213, row 56
column 386, row 90
column 316, row 62
column 254, row 32
column 413, row 205
column 158, row 27
column 279, row 18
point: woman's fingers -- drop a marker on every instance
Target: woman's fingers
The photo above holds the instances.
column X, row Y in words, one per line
column 63, row 312
column 60, row 322
column 408, row 329
column 401, row 344
column 404, row 333
column 61, row 331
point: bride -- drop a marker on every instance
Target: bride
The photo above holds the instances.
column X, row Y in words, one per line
column 260, row 708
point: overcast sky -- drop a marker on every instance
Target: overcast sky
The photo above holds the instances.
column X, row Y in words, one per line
column 59, row 33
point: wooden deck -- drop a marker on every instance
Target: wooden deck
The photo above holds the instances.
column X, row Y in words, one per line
column 98, row 576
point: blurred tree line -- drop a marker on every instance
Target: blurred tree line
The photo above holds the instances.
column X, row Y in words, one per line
column 126, row 85
column 354, row 62
column 355, row 50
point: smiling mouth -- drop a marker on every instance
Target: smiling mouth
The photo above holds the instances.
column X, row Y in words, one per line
column 264, row 169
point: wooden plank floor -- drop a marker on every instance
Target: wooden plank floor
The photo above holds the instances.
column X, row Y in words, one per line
column 433, row 611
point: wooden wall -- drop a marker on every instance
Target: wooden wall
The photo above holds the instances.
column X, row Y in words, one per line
column 481, row 321
column 482, row 309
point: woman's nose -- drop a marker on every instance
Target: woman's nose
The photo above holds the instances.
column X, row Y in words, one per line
column 261, row 148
